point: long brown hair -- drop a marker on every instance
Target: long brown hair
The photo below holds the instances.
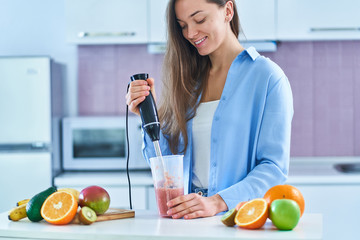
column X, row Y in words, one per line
column 185, row 73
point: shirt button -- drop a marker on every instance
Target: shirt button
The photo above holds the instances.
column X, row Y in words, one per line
column 224, row 98
column 217, row 118
column 214, row 164
column 214, row 140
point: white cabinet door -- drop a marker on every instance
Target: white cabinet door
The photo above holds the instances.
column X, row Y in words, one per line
column 257, row 19
column 339, row 205
column 106, row 21
column 151, row 199
column 157, row 23
column 119, row 196
column 22, row 175
column 318, row 20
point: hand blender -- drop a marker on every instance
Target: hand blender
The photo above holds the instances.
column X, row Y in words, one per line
column 149, row 115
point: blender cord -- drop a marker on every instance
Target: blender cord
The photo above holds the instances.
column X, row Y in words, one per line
column 128, row 150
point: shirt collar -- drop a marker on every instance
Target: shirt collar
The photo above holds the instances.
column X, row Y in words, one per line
column 252, row 53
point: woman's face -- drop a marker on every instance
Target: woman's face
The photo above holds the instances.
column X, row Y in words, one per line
column 203, row 24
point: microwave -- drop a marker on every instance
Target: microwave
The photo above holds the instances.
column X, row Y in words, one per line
column 99, row 143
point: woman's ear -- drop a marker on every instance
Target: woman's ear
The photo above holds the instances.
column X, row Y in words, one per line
column 229, row 10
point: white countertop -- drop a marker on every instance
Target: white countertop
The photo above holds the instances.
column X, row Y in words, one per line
column 148, row 225
column 321, row 170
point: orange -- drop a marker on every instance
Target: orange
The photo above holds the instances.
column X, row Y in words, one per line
column 59, row 208
column 252, row 214
column 287, row 192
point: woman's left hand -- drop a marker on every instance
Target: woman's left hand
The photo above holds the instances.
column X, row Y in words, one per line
column 194, row 206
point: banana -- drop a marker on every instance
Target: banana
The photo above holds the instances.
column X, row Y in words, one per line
column 17, row 213
column 19, row 203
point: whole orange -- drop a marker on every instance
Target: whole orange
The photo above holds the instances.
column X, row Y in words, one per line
column 285, row 192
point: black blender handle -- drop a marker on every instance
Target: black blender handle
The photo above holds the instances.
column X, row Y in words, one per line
column 148, row 111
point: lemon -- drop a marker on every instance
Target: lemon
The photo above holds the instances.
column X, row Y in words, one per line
column 72, row 191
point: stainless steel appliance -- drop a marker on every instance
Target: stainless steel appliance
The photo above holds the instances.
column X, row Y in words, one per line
column 30, row 109
column 99, row 143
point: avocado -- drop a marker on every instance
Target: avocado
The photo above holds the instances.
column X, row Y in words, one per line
column 33, row 207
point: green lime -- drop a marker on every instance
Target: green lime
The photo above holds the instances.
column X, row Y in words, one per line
column 33, row 207
column 228, row 217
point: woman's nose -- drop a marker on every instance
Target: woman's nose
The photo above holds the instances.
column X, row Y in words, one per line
column 191, row 31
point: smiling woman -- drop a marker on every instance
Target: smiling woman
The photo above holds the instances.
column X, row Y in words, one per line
column 207, row 28
column 227, row 109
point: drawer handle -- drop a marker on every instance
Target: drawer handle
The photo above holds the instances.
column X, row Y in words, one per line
column 335, row 29
column 105, row 34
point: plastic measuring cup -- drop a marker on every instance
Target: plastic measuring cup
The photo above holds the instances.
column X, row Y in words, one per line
column 168, row 184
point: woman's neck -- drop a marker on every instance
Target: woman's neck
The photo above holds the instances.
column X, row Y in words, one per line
column 223, row 56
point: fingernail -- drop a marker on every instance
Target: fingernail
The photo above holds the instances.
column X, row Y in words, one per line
column 175, row 216
column 168, row 212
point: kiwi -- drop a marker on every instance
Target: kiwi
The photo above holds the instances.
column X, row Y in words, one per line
column 229, row 217
column 87, row 215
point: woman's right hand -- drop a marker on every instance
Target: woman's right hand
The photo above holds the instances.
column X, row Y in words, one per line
column 137, row 92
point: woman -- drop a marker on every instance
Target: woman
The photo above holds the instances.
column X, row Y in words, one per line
column 226, row 108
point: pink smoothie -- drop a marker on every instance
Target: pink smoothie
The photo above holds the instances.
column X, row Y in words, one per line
column 163, row 195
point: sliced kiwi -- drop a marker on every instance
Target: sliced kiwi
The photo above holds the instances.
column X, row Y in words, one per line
column 228, row 217
column 87, row 215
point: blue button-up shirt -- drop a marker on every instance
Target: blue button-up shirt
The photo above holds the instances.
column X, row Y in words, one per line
column 250, row 134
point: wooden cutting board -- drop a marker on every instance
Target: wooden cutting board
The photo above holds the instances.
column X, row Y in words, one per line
column 111, row 214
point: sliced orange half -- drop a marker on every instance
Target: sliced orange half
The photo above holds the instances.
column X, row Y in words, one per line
column 252, row 214
column 59, row 208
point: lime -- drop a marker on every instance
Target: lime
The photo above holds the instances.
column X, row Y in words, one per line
column 228, row 217
column 33, row 207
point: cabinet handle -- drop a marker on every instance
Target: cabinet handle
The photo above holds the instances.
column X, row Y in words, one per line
column 334, row 29
column 105, row 34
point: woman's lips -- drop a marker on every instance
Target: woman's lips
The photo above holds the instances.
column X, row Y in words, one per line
column 199, row 42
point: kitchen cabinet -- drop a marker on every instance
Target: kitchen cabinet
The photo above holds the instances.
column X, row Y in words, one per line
column 318, row 20
column 22, row 175
column 257, row 19
column 119, row 195
column 157, row 24
column 115, row 183
column 334, row 194
column 339, row 206
column 106, row 21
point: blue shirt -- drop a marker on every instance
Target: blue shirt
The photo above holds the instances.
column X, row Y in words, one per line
column 250, row 135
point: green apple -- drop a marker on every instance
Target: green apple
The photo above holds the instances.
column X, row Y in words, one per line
column 284, row 214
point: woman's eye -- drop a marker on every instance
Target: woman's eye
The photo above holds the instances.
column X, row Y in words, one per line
column 201, row 21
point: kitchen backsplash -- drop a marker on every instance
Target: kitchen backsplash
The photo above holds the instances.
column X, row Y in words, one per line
column 324, row 76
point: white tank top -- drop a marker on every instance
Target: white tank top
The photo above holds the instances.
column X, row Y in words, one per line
column 201, row 134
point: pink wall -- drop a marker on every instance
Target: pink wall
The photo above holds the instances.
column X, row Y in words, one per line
column 325, row 80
